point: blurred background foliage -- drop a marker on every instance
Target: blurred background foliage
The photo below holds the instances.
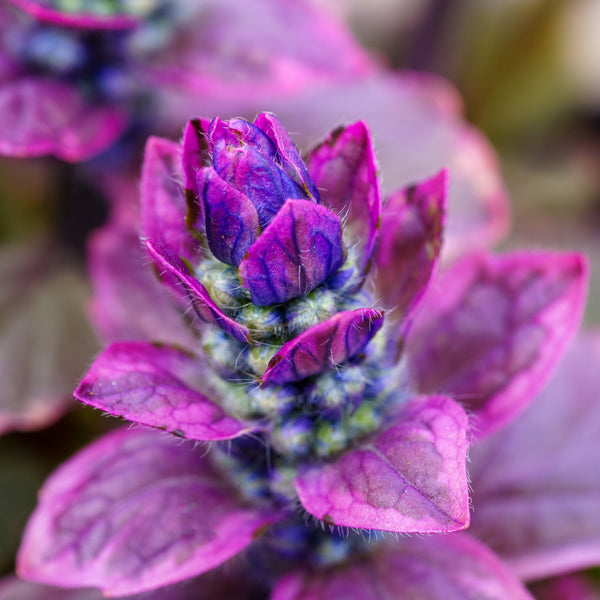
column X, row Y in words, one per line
column 529, row 75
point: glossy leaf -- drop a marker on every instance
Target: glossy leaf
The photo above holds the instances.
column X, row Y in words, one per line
column 231, row 218
column 493, row 329
column 343, row 167
column 190, row 288
column 323, row 346
column 299, row 250
column 157, row 386
column 410, row 477
column 135, row 511
column 409, row 244
column 434, row 568
column 42, row 116
column 163, row 205
column 45, row 340
column 536, row 483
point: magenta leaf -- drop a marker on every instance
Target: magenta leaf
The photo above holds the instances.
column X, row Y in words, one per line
column 479, row 209
column 411, row 477
column 231, row 218
column 157, row 386
column 176, row 271
column 194, row 153
column 300, row 249
column 323, row 346
column 255, row 51
column 452, row 567
column 163, row 206
column 46, row 11
column 536, row 483
column 41, row 116
column 135, row 511
column 343, row 167
column 287, row 152
column 45, row 340
column 129, row 302
column 493, row 329
column 409, row 243
column 417, row 129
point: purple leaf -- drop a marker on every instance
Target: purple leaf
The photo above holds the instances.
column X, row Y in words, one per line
column 224, row 583
column 135, row 511
column 323, row 346
column 45, row 11
column 254, row 51
column 231, row 219
column 299, row 250
column 203, row 305
column 409, row 243
column 537, row 483
column 411, row 477
column 436, row 568
column 493, row 329
column 45, row 339
column 13, row 588
column 157, row 386
column 256, row 176
column 129, row 303
column 343, row 167
column 194, row 153
column 479, row 212
column 292, row 162
column 41, row 116
column 417, row 130
column 163, row 206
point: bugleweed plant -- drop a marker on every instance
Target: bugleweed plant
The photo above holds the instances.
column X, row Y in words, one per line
column 331, row 387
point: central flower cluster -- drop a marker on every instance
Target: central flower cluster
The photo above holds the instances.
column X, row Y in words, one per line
column 278, row 266
column 285, row 364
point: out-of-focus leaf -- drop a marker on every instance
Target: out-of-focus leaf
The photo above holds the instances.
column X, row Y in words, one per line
column 45, row 340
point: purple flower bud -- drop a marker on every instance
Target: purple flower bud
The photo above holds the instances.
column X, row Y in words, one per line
column 261, row 207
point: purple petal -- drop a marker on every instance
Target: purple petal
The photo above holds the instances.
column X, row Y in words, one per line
column 129, row 302
column 45, row 339
column 323, row 346
column 203, row 305
column 537, row 482
column 436, row 568
column 299, row 250
column 493, row 329
column 409, row 243
column 256, row 176
column 411, row 477
column 343, row 167
column 135, row 511
column 43, row 11
column 288, row 153
column 194, row 154
column 231, row 219
column 157, row 386
column 163, row 205
column 40, row 116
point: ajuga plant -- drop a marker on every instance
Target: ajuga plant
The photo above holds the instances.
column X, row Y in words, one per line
column 330, row 390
